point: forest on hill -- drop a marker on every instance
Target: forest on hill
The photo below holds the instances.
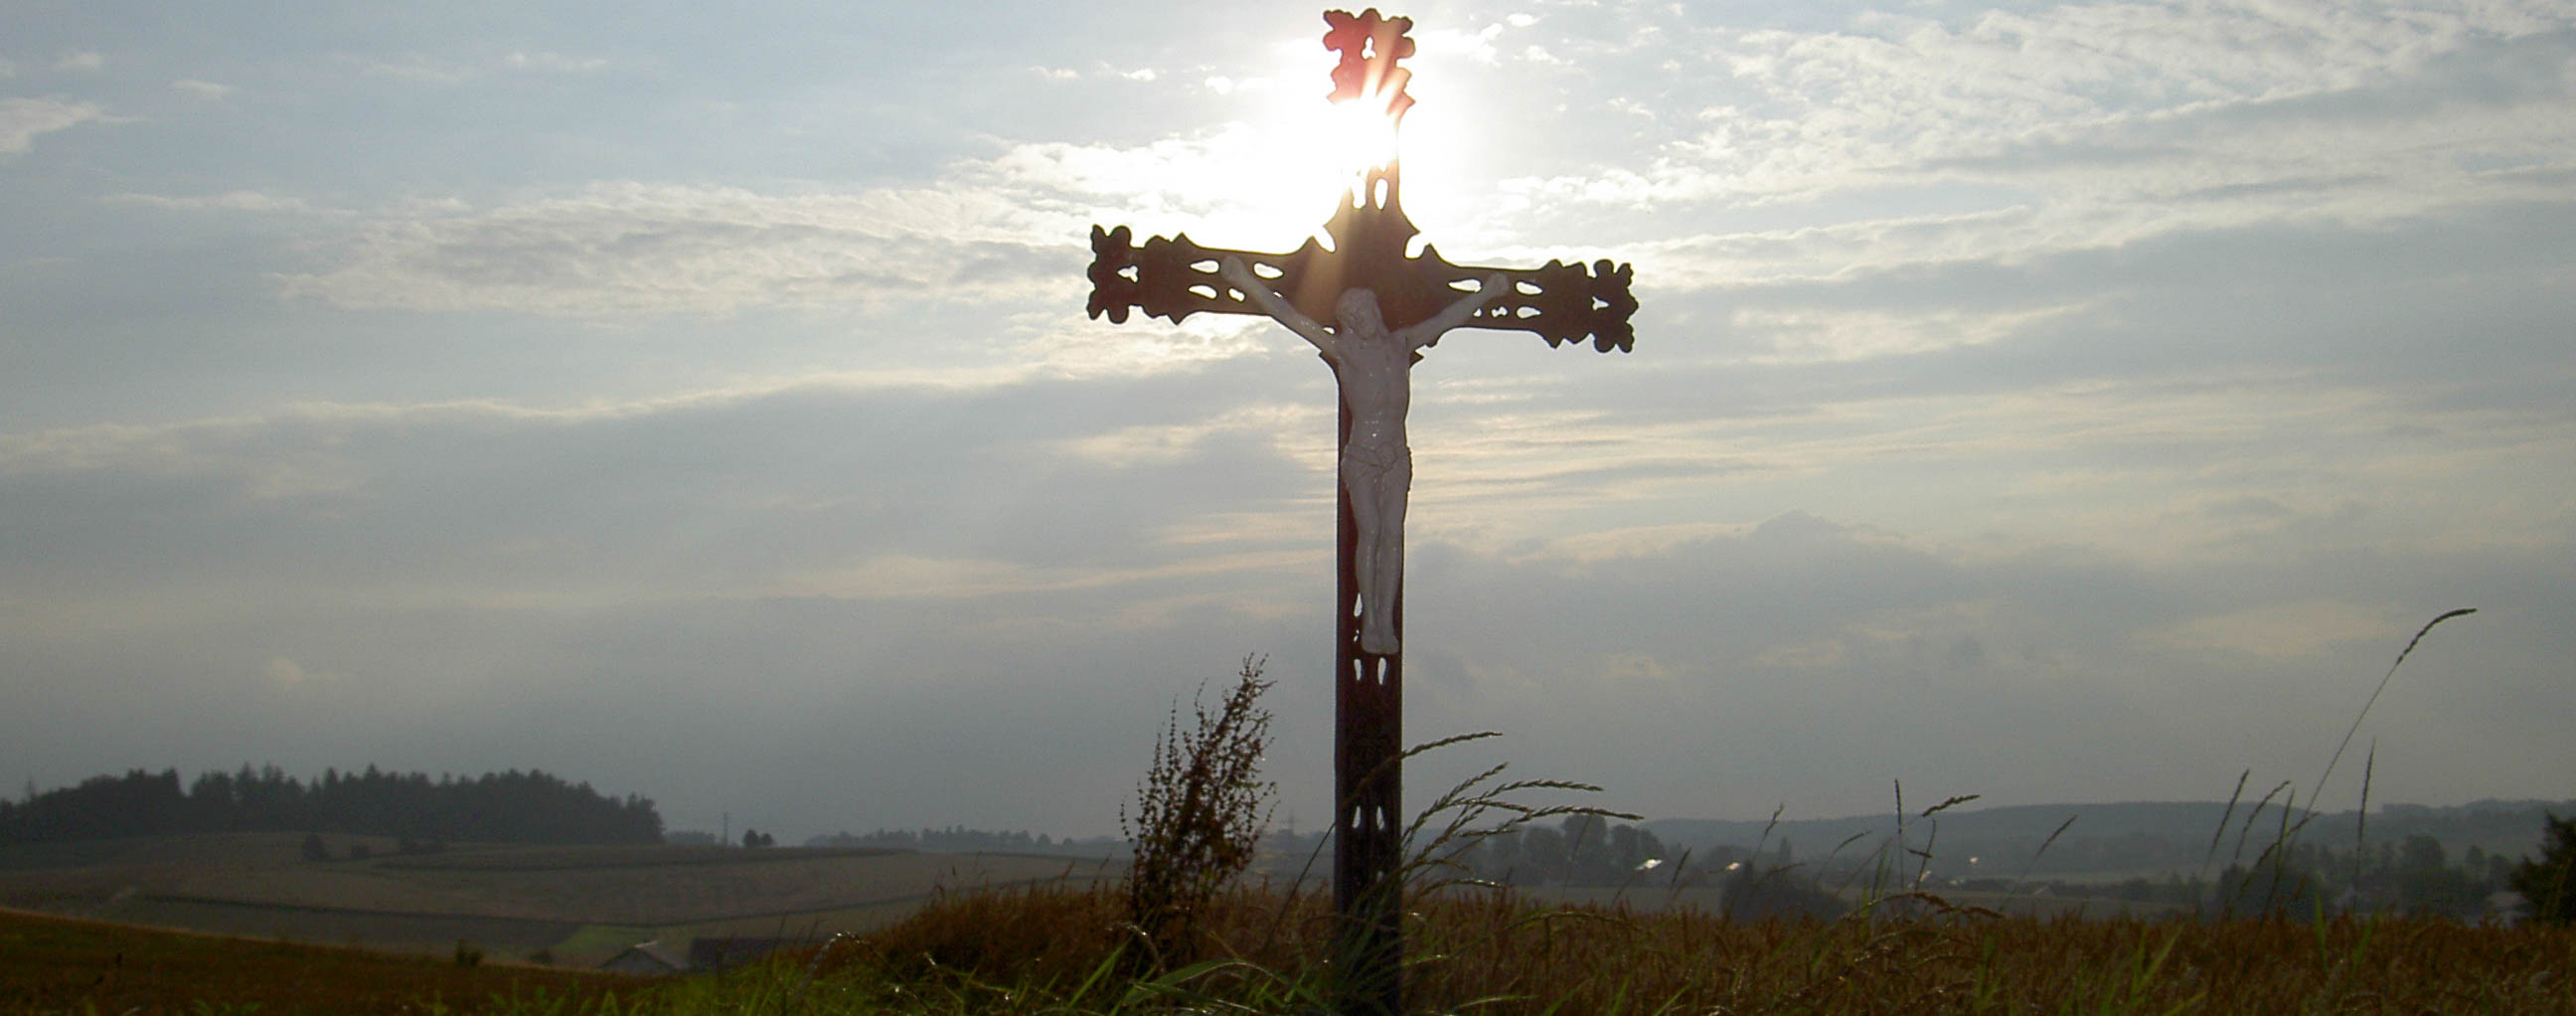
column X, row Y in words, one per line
column 508, row 807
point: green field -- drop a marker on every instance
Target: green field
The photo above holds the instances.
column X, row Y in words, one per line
column 576, row 904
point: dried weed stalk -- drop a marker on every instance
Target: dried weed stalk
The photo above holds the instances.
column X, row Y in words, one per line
column 1199, row 815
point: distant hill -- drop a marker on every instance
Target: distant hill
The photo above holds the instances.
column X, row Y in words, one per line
column 2127, row 837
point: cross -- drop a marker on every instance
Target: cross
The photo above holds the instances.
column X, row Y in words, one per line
column 1368, row 307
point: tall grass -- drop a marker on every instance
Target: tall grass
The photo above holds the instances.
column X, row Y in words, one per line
column 1042, row 950
column 1485, row 951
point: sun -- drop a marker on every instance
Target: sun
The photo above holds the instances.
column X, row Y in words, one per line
column 1289, row 165
column 1294, row 155
column 1356, row 137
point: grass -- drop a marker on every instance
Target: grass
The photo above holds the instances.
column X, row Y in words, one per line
column 60, row 965
column 1494, row 953
column 1054, row 950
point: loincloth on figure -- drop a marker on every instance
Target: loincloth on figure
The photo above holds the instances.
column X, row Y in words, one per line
column 1390, row 461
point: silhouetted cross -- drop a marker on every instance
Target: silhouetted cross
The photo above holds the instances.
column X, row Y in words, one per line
column 1322, row 295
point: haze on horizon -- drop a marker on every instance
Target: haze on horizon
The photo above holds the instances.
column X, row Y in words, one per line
column 2050, row 402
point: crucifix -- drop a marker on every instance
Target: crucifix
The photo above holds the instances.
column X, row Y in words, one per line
column 1369, row 308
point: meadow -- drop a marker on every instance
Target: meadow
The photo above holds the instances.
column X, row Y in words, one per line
column 570, row 905
column 1065, row 949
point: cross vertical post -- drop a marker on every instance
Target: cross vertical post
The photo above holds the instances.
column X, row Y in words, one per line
column 1368, row 785
column 1383, row 305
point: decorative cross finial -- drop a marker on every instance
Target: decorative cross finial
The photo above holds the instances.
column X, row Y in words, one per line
column 1370, row 45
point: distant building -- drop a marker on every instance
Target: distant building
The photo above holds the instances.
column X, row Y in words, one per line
column 646, row 958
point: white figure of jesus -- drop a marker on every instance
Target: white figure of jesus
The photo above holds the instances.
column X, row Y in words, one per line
column 1375, row 368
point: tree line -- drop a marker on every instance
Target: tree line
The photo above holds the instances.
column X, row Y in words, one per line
column 959, row 840
column 508, row 807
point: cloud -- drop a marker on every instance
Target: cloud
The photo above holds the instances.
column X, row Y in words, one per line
column 2282, row 630
column 431, row 69
column 79, row 61
column 552, row 63
column 2094, row 126
column 1051, row 550
column 2052, row 401
column 206, row 90
column 616, row 249
column 21, row 120
column 1005, row 226
column 238, row 201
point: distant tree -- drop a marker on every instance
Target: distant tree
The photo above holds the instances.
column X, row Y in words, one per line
column 2421, row 853
column 360, row 852
column 2550, row 881
column 511, row 807
column 315, row 849
column 1587, row 850
column 1543, row 855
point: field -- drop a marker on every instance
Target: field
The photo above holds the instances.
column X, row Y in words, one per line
column 66, row 965
column 1708, row 899
column 573, row 905
column 1059, row 950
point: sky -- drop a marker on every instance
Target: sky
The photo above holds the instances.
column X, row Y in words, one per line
column 2053, row 403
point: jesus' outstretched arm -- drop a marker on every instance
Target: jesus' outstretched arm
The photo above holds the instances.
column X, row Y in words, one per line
column 1455, row 314
column 1259, row 292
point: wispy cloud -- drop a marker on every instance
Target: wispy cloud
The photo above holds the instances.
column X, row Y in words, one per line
column 207, row 90
column 435, row 69
column 553, row 63
column 1012, row 224
column 2103, row 124
column 633, row 248
column 237, row 201
column 21, row 120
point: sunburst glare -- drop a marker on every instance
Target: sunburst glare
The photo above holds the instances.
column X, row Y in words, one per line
column 1307, row 153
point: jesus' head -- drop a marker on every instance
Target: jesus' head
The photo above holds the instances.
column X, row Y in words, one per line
column 1357, row 313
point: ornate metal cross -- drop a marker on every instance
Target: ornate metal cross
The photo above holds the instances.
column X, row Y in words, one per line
column 1381, row 306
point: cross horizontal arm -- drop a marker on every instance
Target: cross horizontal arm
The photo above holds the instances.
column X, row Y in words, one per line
column 1559, row 302
column 1176, row 277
